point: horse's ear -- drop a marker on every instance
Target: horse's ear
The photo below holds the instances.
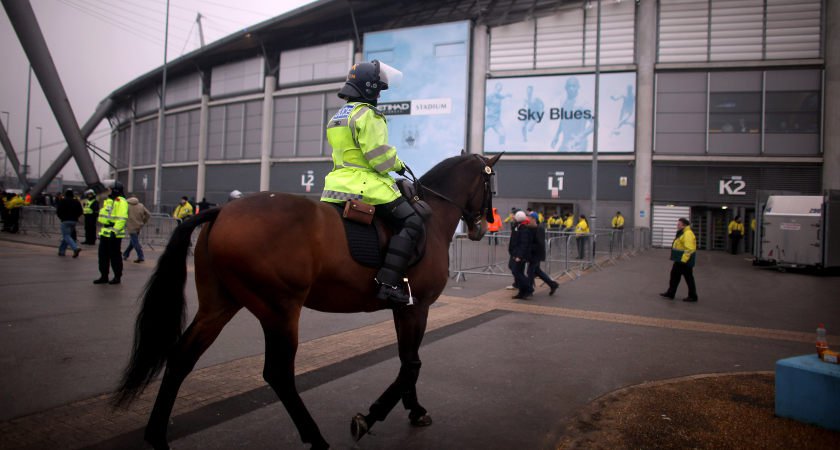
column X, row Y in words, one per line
column 492, row 161
column 463, row 152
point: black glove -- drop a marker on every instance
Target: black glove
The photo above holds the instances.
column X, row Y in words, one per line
column 109, row 224
column 113, row 234
column 401, row 172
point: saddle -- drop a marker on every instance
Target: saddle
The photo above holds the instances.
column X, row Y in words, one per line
column 368, row 244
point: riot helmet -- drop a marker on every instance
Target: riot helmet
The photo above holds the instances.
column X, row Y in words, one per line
column 116, row 187
column 366, row 79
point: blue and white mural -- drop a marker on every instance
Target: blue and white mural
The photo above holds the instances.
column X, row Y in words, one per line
column 555, row 114
column 427, row 110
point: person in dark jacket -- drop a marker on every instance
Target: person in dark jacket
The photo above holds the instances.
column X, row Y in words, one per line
column 538, row 255
column 521, row 241
column 68, row 211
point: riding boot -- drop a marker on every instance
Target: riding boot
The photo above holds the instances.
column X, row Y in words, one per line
column 390, row 276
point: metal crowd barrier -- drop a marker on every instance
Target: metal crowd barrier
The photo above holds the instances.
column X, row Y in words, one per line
column 157, row 231
column 567, row 254
column 40, row 220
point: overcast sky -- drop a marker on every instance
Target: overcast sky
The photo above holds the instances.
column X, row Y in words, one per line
column 98, row 46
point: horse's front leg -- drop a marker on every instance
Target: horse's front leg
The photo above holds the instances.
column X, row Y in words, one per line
column 410, row 323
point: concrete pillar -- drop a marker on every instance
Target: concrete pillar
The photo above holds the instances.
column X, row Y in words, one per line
column 831, row 125
column 478, row 82
column 161, row 135
column 267, row 132
column 201, row 170
column 646, row 58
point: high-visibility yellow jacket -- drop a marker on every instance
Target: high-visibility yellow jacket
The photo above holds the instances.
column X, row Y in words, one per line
column 582, row 227
column 87, row 205
column 112, row 216
column 15, row 202
column 568, row 223
column 183, row 211
column 618, row 222
column 362, row 157
column 554, row 222
column 684, row 247
column 735, row 226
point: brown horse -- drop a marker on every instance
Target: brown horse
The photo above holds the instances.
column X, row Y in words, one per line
column 275, row 254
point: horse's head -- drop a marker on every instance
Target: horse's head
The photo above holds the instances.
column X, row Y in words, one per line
column 465, row 182
column 479, row 208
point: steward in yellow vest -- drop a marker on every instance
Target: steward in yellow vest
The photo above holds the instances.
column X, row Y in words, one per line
column 362, row 162
column 112, row 216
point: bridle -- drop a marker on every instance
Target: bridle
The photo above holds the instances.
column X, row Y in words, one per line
column 486, row 209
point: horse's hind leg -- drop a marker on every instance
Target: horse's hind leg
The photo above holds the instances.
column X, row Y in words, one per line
column 205, row 327
column 411, row 325
column 281, row 342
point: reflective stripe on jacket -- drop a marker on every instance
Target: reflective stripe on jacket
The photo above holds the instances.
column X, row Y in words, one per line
column 116, row 211
column 684, row 247
column 87, row 205
column 362, row 157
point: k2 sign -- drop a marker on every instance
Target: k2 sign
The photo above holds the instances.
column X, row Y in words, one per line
column 733, row 186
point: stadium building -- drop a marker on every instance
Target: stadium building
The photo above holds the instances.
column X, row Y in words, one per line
column 694, row 106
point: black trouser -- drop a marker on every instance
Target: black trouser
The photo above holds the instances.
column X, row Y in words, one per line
column 109, row 254
column 90, row 229
column 679, row 270
column 534, row 271
column 522, row 281
column 734, row 240
column 408, row 230
column 14, row 220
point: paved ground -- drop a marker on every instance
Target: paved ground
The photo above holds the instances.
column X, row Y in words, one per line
column 497, row 373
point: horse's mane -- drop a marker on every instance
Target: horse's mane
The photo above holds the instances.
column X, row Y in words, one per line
column 441, row 174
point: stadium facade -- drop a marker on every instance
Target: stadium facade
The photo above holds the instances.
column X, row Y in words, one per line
column 700, row 104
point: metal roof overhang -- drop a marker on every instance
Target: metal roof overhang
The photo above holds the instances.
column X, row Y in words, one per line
column 326, row 21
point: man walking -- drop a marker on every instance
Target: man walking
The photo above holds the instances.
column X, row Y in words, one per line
column 519, row 247
column 90, row 206
column 112, row 216
column 138, row 216
column 683, row 254
column 68, row 211
column 538, row 255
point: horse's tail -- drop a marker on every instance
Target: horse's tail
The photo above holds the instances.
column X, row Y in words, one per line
column 161, row 317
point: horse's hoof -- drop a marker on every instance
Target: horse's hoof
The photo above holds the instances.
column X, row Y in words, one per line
column 358, row 427
column 423, row 421
column 157, row 443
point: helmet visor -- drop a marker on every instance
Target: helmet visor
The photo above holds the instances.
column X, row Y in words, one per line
column 389, row 75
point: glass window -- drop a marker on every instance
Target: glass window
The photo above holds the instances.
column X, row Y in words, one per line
column 793, row 107
column 195, row 126
column 216, row 132
column 310, row 125
column 681, row 113
column 146, row 143
column 253, row 129
column 285, row 122
column 234, row 125
column 170, row 130
column 735, row 113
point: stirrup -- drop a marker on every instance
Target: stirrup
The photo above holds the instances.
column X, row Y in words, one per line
column 394, row 293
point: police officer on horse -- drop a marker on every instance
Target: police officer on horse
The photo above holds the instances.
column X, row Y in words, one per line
column 362, row 161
